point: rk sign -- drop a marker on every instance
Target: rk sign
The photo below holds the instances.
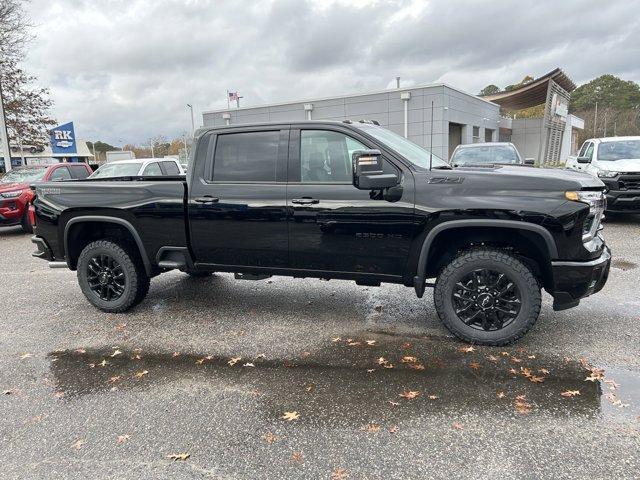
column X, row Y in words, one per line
column 63, row 139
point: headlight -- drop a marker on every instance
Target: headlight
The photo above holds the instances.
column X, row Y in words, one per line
column 597, row 204
column 607, row 174
column 11, row 194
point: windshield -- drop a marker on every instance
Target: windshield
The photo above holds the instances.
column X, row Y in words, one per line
column 409, row 150
column 24, row 175
column 117, row 170
column 490, row 154
column 618, row 150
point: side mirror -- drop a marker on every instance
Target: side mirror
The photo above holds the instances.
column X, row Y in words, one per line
column 583, row 160
column 368, row 173
column 529, row 161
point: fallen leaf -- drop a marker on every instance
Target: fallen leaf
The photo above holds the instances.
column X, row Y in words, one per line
column 570, row 393
column 612, row 384
column 516, row 359
column 522, row 407
column 535, row 379
column 513, row 371
column 270, row 437
column 474, row 365
column 371, row 343
column 260, row 355
column 289, row 416
column 233, row 361
column 501, row 395
column 26, row 355
column 406, row 345
column 504, row 354
column 309, row 387
column 433, row 397
column 371, row 370
column 339, row 474
column 371, row 428
column 458, row 426
column 336, row 339
column 78, row 444
column 80, row 350
column 468, row 349
column 382, row 361
column 116, row 352
column 103, row 363
column 395, row 404
column 200, row 361
column 393, row 429
column 114, row 379
column 409, row 360
column 141, row 374
column 123, row 438
column 58, row 394
column 120, row 327
column 525, row 371
column 543, row 371
column 175, row 354
column 521, row 397
column 178, row 456
column 388, row 365
column 416, row 366
column 531, row 357
column 248, row 364
column 409, row 394
column 297, row 457
column 492, row 358
column 354, row 344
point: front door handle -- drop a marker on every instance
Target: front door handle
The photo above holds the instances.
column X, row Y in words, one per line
column 305, row 201
column 207, row 199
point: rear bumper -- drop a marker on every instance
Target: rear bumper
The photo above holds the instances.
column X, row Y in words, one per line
column 623, row 201
column 575, row 280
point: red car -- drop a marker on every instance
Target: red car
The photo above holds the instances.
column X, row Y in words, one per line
column 15, row 194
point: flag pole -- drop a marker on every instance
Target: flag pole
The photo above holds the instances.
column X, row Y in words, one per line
column 228, row 100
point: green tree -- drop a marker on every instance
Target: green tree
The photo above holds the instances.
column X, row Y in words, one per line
column 489, row 90
column 524, row 81
column 608, row 91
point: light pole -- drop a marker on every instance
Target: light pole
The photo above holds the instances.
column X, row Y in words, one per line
column 4, row 136
column 193, row 125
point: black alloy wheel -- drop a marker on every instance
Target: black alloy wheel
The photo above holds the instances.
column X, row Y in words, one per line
column 106, row 277
column 486, row 299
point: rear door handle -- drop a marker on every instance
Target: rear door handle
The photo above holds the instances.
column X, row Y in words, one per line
column 305, row 201
column 207, row 199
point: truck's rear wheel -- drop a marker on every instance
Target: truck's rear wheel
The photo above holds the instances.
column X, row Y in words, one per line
column 487, row 296
column 112, row 276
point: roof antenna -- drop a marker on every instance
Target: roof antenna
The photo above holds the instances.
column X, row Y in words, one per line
column 431, row 146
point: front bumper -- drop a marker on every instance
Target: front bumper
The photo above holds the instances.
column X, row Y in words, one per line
column 575, row 280
column 623, row 201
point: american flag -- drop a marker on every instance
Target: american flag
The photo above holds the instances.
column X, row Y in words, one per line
column 233, row 96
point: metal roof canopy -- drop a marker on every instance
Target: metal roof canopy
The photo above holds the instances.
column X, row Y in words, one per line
column 533, row 93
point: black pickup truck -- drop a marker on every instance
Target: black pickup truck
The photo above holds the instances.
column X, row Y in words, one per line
column 338, row 200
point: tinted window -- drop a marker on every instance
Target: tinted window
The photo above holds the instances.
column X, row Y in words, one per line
column 485, row 155
column 152, row 170
column 60, row 174
column 246, row 157
column 326, row 156
column 171, row 168
column 589, row 152
column 78, row 171
column 583, row 149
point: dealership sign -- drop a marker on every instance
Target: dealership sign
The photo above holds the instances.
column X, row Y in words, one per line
column 63, row 139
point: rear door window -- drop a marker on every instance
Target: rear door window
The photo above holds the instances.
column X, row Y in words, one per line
column 152, row 170
column 170, row 168
column 59, row 174
column 246, row 157
column 78, row 172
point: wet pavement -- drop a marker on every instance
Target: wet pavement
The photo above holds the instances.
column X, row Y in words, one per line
column 375, row 387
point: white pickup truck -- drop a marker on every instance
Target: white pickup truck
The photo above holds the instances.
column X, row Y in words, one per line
column 615, row 161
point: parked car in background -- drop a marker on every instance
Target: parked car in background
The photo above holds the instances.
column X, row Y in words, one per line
column 141, row 167
column 615, row 161
column 15, row 194
column 489, row 153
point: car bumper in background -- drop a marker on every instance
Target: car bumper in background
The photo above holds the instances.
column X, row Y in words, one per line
column 575, row 280
column 623, row 201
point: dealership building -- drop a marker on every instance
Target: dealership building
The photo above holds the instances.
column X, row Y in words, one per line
column 458, row 117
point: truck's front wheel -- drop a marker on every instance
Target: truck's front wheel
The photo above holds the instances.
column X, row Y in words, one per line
column 487, row 296
column 112, row 276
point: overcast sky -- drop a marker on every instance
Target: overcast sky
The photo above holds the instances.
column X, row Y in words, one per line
column 124, row 70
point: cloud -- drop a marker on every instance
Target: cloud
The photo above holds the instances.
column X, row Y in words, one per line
column 124, row 70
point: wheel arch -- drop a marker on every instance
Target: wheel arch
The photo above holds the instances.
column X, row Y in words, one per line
column 532, row 242
column 80, row 231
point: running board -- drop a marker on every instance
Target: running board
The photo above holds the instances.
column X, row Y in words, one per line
column 250, row 276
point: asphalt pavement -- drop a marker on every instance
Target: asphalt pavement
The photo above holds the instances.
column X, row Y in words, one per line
column 370, row 384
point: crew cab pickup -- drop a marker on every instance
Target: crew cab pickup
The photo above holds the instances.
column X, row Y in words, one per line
column 337, row 200
column 615, row 161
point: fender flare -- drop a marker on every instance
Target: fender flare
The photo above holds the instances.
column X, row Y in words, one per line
column 103, row 219
column 419, row 279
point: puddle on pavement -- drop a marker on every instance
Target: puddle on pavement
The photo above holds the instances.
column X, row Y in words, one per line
column 346, row 381
column 622, row 264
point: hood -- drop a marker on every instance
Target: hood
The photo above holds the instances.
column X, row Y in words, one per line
column 9, row 187
column 626, row 165
column 527, row 178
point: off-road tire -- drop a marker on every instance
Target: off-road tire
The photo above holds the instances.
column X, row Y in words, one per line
column 136, row 283
column 498, row 260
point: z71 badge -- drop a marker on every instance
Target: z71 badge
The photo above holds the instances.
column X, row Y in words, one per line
column 446, row 180
column 49, row 191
